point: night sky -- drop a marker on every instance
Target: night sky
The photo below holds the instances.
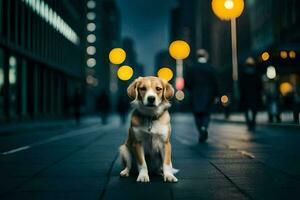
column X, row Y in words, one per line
column 147, row 23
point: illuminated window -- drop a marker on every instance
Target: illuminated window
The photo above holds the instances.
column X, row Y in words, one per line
column 91, row 27
column 12, row 70
column 91, row 16
column 91, row 62
column 91, row 38
column 91, row 50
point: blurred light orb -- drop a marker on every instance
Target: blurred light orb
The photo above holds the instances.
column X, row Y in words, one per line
column 91, row 16
column 125, row 73
column 292, row 54
column 179, row 83
column 117, row 56
column 91, row 27
column 179, row 95
column 165, row 73
column 283, row 54
column 91, row 50
column 91, row 38
column 265, row 56
column 227, row 9
column 12, row 61
column 285, row 88
column 224, row 99
column 271, row 72
column 91, row 4
column 179, row 49
column 91, row 62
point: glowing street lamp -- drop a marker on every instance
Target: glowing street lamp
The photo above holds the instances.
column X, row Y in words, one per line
column 165, row 73
column 179, row 50
column 125, row 73
column 230, row 10
column 116, row 57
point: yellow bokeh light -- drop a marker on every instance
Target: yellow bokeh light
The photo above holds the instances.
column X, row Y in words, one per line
column 283, row 54
column 165, row 73
column 227, row 9
column 179, row 95
column 179, row 49
column 265, row 56
column 292, row 54
column 285, row 88
column 224, row 99
column 125, row 73
column 117, row 56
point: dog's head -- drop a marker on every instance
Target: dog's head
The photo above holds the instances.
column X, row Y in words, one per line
column 150, row 91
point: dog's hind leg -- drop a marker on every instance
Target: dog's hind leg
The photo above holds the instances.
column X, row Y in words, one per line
column 126, row 159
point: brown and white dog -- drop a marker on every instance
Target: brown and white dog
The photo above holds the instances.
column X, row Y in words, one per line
column 148, row 141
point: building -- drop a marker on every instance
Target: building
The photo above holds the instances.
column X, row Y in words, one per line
column 103, row 34
column 41, row 57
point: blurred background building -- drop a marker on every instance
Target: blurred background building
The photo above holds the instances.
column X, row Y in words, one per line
column 41, row 57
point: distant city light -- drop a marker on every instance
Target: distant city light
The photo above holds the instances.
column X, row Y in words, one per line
column 117, row 56
column 165, row 73
column 91, row 4
column 12, row 61
column 292, row 54
column 12, row 74
column 179, row 95
column 91, row 80
column 91, row 62
column 285, row 88
column 179, row 49
column 91, row 38
column 283, row 54
column 125, row 73
column 224, row 99
column 91, row 16
column 91, row 27
column 179, row 83
column 91, row 50
column 50, row 16
column 265, row 56
column 271, row 72
column 228, row 4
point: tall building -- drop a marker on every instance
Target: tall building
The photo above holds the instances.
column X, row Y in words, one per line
column 103, row 33
column 41, row 57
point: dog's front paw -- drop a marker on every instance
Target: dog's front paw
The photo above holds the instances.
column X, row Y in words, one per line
column 168, row 177
column 143, row 176
column 125, row 172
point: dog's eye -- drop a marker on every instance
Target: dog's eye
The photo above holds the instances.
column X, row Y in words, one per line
column 158, row 88
column 143, row 88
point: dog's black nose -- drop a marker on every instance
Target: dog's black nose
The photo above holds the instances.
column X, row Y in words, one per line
column 151, row 99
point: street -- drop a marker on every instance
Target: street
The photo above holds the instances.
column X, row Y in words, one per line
column 82, row 163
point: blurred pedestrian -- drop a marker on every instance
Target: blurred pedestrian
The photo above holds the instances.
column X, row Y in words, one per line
column 202, row 86
column 77, row 101
column 103, row 106
column 272, row 100
column 296, row 106
column 122, row 107
column 250, row 92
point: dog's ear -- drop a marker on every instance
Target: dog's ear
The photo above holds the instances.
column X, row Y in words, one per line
column 132, row 90
column 168, row 91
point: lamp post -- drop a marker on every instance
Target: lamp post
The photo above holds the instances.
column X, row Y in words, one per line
column 179, row 50
column 230, row 10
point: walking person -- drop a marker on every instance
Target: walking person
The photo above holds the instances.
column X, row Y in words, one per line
column 103, row 106
column 122, row 108
column 77, row 103
column 202, row 86
column 250, row 91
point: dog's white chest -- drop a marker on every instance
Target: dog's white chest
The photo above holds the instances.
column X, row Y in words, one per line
column 152, row 135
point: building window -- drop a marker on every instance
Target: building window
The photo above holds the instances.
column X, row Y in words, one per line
column 12, row 78
column 1, row 84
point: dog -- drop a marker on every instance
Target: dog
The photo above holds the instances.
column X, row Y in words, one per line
column 148, row 142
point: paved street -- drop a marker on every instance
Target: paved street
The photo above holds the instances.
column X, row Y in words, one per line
column 81, row 163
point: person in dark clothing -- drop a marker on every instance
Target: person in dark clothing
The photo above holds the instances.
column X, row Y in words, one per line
column 104, row 106
column 77, row 102
column 202, row 86
column 250, row 91
column 122, row 107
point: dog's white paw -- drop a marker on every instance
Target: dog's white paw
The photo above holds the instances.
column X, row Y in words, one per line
column 169, row 177
column 125, row 172
column 143, row 176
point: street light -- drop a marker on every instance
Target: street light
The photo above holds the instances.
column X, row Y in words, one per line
column 165, row 73
column 125, row 73
column 230, row 10
column 116, row 57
